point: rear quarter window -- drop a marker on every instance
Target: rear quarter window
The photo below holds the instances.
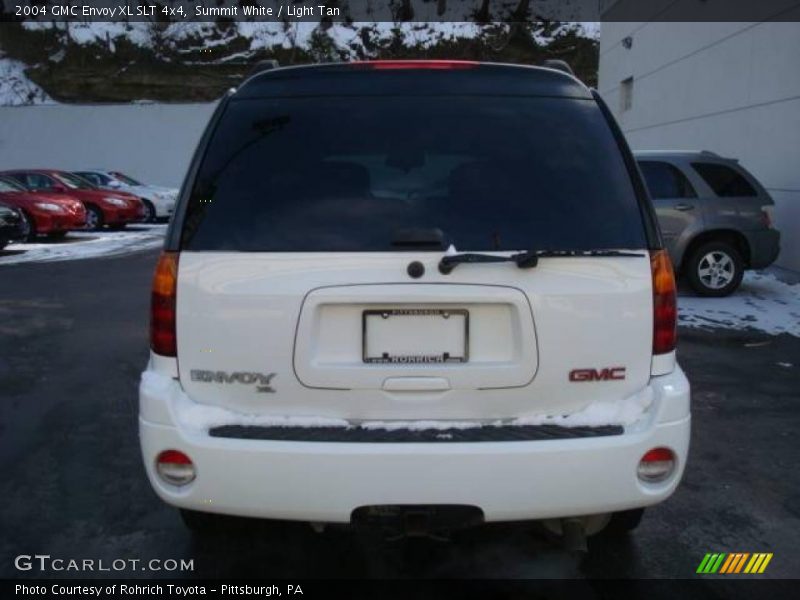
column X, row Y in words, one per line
column 346, row 173
column 665, row 180
column 724, row 180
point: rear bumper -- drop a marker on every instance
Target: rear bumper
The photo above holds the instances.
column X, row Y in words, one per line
column 764, row 247
column 323, row 481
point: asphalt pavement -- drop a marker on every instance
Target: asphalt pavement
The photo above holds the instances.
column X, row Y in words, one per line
column 73, row 341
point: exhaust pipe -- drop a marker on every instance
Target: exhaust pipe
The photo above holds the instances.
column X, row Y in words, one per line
column 574, row 535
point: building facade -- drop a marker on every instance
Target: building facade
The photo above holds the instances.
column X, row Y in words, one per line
column 731, row 88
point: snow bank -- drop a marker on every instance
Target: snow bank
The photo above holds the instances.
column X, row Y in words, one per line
column 98, row 32
column 15, row 87
column 621, row 412
column 346, row 37
column 763, row 302
column 86, row 244
column 202, row 417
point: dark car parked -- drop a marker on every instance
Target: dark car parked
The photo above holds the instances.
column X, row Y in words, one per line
column 10, row 225
column 716, row 218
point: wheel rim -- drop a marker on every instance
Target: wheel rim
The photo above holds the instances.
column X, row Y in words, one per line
column 92, row 219
column 716, row 269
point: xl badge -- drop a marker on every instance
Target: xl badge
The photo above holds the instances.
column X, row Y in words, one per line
column 243, row 377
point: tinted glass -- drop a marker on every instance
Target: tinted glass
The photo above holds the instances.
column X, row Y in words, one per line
column 125, row 179
column 34, row 181
column 8, row 186
column 665, row 181
column 349, row 174
column 95, row 178
column 73, row 181
column 724, row 180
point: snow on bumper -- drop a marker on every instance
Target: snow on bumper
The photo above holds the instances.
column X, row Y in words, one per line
column 326, row 481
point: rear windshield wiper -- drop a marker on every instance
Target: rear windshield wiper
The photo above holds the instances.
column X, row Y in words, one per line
column 524, row 260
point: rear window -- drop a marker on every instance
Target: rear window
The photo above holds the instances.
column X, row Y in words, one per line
column 34, row 181
column 348, row 173
column 665, row 181
column 74, row 182
column 8, row 186
column 94, row 178
column 724, row 180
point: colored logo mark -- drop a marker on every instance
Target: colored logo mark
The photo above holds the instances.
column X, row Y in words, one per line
column 734, row 562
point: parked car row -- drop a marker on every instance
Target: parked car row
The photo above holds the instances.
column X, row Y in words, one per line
column 159, row 202
column 52, row 202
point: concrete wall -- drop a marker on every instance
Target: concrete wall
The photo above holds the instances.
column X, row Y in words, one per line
column 732, row 88
column 151, row 142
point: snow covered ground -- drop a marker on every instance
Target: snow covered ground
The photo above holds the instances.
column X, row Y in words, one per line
column 763, row 302
column 86, row 244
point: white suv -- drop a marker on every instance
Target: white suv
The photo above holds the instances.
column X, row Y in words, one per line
column 403, row 285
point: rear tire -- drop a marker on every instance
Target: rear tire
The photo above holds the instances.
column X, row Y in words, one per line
column 149, row 211
column 94, row 218
column 201, row 522
column 622, row 523
column 715, row 269
column 28, row 228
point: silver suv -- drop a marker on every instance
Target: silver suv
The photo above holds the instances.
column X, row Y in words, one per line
column 715, row 217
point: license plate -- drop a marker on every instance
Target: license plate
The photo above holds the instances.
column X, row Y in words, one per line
column 416, row 335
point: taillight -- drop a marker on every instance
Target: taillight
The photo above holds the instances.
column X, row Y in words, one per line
column 441, row 65
column 174, row 467
column 656, row 465
column 162, row 305
column 766, row 215
column 665, row 303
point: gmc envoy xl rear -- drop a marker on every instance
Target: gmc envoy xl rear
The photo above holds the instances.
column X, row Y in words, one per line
column 401, row 285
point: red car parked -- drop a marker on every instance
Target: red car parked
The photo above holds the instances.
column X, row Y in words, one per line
column 103, row 207
column 50, row 214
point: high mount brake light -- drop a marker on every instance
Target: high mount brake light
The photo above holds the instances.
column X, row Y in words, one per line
column 162, row 305
column 665, row 303
column 441, row 65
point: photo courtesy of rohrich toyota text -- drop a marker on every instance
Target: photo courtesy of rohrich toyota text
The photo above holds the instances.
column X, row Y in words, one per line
column 399, row 298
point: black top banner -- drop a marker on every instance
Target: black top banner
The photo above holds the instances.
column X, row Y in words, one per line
column 398, row 11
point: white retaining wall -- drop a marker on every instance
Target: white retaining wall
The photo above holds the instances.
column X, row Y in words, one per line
column 150, row 142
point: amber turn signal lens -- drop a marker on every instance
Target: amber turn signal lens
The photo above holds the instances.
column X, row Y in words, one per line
column 665, row 303
column 162, row 305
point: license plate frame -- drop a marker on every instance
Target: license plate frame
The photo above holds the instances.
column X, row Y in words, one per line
column 410, row 359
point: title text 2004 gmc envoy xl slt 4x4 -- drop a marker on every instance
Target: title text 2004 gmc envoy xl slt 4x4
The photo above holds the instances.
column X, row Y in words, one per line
column 402, row 285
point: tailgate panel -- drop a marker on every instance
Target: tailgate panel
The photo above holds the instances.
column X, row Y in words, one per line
column 330, row 344
column 293, row 315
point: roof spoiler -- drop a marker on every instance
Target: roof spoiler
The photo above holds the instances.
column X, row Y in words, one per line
column 558, row 65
